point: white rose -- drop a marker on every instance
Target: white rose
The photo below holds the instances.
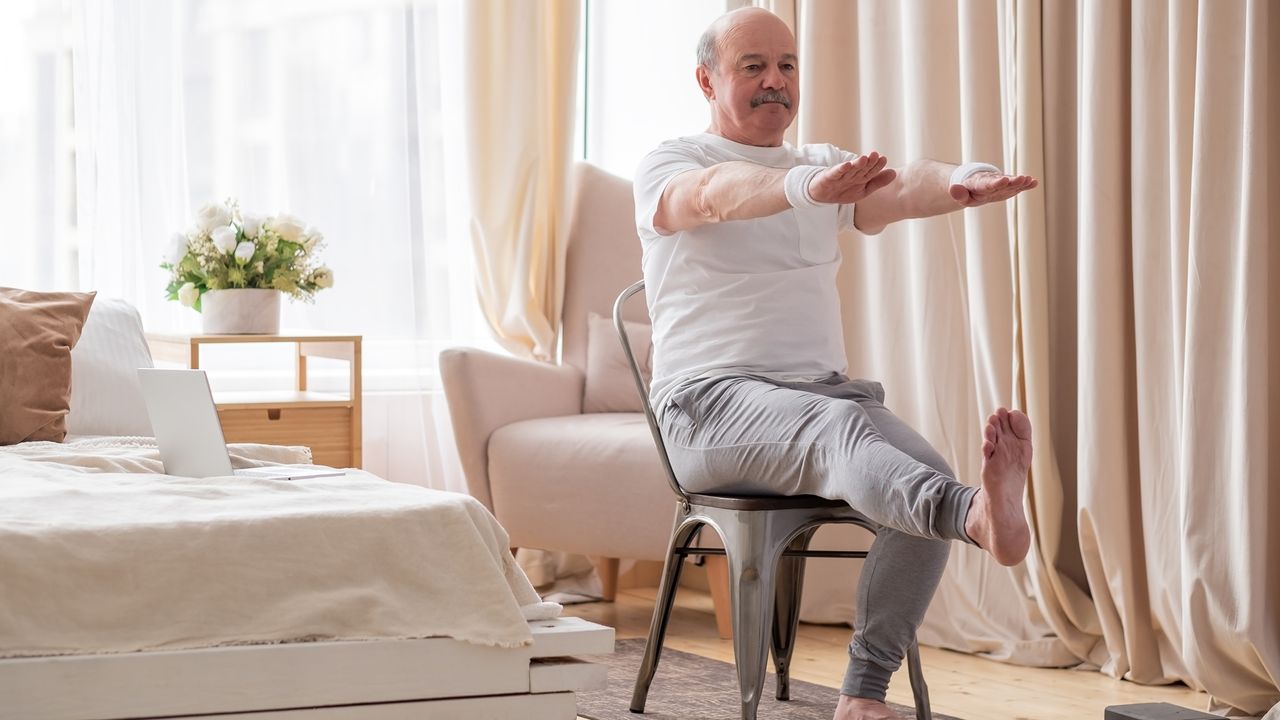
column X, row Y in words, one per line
column 251, row 225
column 177, row 249
column 188, row 294
column 322, row 277
column 224, row 238
column 213, row 215
column 287, row 227
column 312, row 239
column 244, row 252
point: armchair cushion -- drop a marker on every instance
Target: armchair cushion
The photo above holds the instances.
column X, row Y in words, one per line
column 591, row 484
column 487, row 391
column 610, row 386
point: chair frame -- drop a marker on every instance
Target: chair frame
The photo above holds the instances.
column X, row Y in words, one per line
column 766, row 541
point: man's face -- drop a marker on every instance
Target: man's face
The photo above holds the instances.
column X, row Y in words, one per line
column 754, row 89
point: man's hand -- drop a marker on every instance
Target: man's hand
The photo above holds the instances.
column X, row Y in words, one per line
column 985, row 187
column 852, row 180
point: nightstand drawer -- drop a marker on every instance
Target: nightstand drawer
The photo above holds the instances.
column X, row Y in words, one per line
column 327, row 431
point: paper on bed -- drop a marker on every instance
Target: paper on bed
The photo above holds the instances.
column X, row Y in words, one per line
column 133, row 454
column 97, row 560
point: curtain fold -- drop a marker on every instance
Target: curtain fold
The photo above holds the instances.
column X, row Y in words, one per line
column 131, row 155
column 519, row 104
column 1129, row 305
column 1055, row 568
column 1162, row 293
column 929, row 304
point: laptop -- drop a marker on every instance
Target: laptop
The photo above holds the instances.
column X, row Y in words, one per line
column 188, row 432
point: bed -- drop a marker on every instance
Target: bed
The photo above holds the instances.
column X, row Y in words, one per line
column 128, row 593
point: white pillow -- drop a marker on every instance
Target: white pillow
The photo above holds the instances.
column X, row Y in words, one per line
column 610, row 386
column 106, row 398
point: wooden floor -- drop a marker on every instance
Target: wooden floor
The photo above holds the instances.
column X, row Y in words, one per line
column 963, row 685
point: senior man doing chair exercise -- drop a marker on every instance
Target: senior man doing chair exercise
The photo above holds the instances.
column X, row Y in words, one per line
column 739, row 236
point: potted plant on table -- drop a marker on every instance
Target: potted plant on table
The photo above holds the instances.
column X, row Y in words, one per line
column 233, row 266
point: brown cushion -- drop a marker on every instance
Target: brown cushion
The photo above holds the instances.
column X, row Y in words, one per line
column 37, row 332
column 610, row 386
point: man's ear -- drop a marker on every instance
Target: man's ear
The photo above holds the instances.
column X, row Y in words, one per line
column 704, row 82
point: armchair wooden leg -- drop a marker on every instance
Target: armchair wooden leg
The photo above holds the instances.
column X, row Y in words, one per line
column 607, row 569
column 718, row 581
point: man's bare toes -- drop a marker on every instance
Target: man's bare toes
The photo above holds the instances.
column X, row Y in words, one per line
column 1020, row 424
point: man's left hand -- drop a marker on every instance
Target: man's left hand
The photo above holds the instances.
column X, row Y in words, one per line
column 981, row 188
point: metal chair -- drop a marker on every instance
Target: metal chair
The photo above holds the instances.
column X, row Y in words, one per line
column 766, row 540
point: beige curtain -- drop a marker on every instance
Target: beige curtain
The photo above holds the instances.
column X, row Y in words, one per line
column 1129, row 305
column 1156, row 276
column 929, row 305
column 519, row 99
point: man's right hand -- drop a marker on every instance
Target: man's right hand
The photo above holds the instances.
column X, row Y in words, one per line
column 852, row 180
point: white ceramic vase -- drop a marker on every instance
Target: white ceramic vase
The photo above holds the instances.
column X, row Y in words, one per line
column 240, row 311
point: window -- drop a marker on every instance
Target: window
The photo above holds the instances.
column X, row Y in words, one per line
column 37, row 147
column 331, row 111
column 639, row 86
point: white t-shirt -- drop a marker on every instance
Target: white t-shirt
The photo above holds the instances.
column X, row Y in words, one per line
column 755, row 296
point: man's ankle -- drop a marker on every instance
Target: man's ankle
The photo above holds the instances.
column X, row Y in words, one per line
column 858, row 707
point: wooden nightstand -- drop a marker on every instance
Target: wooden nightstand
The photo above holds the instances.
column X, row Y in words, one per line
column 327, row 423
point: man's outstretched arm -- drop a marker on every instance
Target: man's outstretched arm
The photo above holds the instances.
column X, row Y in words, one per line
column 923, row 189
column 743, row 190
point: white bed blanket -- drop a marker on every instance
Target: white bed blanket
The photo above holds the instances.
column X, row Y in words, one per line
column 101, row 552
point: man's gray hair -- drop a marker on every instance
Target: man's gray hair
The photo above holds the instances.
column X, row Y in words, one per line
column 707, row 48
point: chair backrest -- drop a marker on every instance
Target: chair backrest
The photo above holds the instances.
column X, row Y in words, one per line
column 618, row 315
column 603, row 255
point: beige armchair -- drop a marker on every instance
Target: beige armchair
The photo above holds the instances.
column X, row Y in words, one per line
column 555, row 477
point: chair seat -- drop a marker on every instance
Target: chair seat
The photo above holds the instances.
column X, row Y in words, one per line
column 765, row 502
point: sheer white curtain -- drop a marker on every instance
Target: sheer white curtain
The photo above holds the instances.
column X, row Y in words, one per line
column 329, row 111
column 37, row 161
column 131, row 175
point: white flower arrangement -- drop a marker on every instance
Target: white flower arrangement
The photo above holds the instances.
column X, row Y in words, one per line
column 229, row 249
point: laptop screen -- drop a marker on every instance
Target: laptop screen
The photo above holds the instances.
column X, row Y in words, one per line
column 185, row 422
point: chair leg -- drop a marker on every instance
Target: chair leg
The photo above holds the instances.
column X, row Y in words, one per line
column 786, row 615
column 718, row 582
column 918, row 687
column 752, row 573
column 662, row 612
column 607, row 569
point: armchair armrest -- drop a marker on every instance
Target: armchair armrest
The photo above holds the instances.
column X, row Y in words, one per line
column 486, row 391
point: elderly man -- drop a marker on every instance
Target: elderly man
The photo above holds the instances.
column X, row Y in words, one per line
column 739, row 234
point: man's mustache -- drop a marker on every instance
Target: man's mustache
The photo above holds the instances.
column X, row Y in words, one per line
column 771, row 96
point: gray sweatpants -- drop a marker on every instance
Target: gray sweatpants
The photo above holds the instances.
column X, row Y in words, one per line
column 744, row 434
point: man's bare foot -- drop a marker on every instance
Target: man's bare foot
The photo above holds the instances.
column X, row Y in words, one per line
column 852, row 708
column 996, row 520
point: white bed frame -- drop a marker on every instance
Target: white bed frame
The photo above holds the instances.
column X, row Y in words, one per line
column 435, row 678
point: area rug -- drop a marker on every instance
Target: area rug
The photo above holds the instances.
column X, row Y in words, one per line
column 690, row 687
